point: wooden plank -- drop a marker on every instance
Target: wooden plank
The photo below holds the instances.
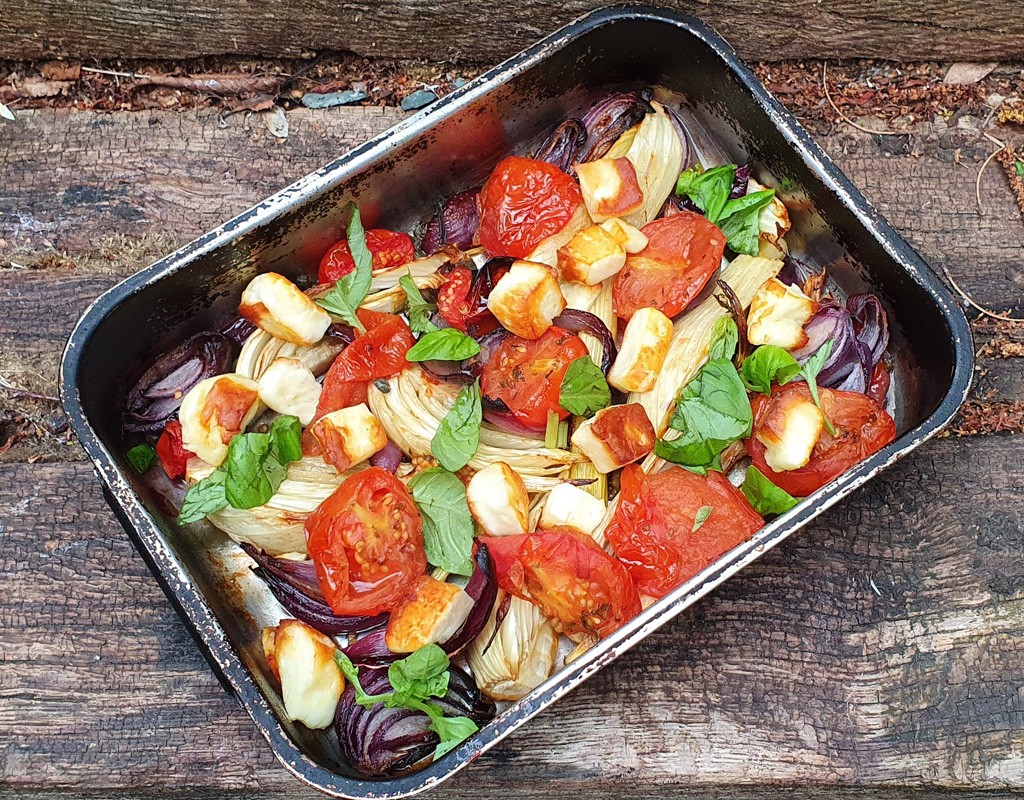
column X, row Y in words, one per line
column 906, row 29
column 881, row 646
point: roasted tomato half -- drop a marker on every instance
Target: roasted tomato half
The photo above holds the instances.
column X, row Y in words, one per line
column 173, row 455
column 672, row 524
column 682, row 254
column 862, row 427
column 523, row 202
column 526, row 374
column 569, row 577
column 388, row 248
column 366, row 541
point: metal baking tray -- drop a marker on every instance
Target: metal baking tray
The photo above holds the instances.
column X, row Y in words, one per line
column 396, row 178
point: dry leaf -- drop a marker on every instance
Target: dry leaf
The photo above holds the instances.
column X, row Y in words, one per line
column 964, row 72
column 276, row 122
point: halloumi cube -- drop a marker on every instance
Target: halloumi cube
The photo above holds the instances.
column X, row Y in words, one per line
column 790, row 432
column 526, row 299
column 778, row 314
column 632, row 239
column 289, row 387
column 213, row 411
column 615, row 436
column 302, row 659
column 433, row 612
column 349, row 436
column 610, row 187
column 645, row 344
column 591, row 256
column 570, row 505
column 498, row 500
column 275, row 304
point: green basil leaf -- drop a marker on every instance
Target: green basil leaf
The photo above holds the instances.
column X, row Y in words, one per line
column 766, row 365
column 584, row 390
column 141, row 457
column 739, row 221
column 725, row 338
column 452, row 731
column 286, row 439
column 447, row 344
column 422, row 674
column 418, row 309
column 712, row 412
column 702, row 516
column 458, row 436
column 1018, row 167
column 709, row 190
column 765, row 497
column 203, row 498
column 447, row 523
column 251, row 471
column 810, row 369
column 687, row 179
column 350, row 290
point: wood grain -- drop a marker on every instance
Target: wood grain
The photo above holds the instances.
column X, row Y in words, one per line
column 883, row 645
column 877, row 652
column 431, row 29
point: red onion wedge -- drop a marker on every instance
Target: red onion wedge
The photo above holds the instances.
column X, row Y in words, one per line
column 389, row 457
column 157, row 395
column 576, row 321
column 563, row 148
column 379, row 741
column 608, row 119
column 372, row 650
column 295, row 586
column 454, row 223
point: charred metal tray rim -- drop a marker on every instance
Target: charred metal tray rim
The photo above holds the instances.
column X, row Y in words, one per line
column 170, row 573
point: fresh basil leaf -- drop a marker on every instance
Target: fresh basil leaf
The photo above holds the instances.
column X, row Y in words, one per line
column 203, row 498
column 766, row 365
column 765, row 497
column 739, row 221
column 350, row 290
column 141, row 457
column 702, row 516
column 1018, row 167
column 709, row 190
column 447, row 523
column 351, row 673
column 810, row 369
column 418, row 309
column 458, row 436
column 452, row 731
column 252, row 474
column 687, row 179
column 711, row 413
column 286, row 439
column 422, row 674
column 725, row 338
column 447, row 344
column 584, row 390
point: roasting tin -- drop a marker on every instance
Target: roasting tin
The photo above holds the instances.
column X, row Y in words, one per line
column 396, row 178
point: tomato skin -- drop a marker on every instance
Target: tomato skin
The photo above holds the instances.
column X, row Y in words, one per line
column 378, row 353
column 862, row 426
column 366, row 541
column 683, row 253
column 453, row 298
column 522, row 203
column 173, row 455
column 569, row 577
column 526, row 375
column 880, row 379
column 652, row 530
column 388, row 248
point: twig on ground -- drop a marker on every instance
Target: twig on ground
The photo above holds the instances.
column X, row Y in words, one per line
column 10, row 388
column 842, row 116
column 974, row 304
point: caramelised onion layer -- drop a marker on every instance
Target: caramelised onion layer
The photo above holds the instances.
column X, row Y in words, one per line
column 378, row 740
column 157, row 395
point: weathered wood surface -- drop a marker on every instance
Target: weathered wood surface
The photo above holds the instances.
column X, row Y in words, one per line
column 478, row 32
column 879, row 650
